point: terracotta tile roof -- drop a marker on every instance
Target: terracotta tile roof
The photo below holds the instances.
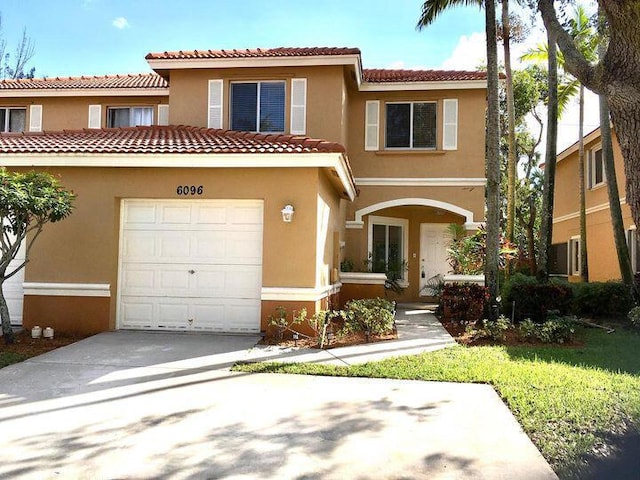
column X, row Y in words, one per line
column 254, row 53
column 385, row 76
column 141, row 80
column 159, row 140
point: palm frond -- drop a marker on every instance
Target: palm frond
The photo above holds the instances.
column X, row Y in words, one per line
column 566, row 91
column 432, row 9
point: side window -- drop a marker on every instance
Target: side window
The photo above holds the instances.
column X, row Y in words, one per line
column 574, row 256
column 388, row 245
column 13, row 119
column 258, row 106
column 129, row 116
column 634, row 249
column 558, row 259
column 596, row 168
column 411, row 125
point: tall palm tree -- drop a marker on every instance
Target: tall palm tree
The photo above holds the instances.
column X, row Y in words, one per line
column 585, row 38
column 430, row 10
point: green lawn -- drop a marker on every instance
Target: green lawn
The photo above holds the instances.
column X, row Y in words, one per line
column 567, row 399
column 7, row 358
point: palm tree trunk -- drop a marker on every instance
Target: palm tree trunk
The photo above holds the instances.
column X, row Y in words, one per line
column 546, row 228
column 493, row 160
column 584, row 264
column 511, row 128
column 7, row 331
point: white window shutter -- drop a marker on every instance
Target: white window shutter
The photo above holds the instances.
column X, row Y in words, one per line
column 299, row 106
column 163, row 114
column 372, row 125
column 215, row 103
column 95, row 116
column 35, row 118
column 450, row 124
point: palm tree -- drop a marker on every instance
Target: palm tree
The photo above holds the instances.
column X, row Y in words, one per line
column 585, row 38
column 430, row 10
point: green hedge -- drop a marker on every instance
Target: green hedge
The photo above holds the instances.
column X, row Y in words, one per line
column 601, row 299
column 464, row 302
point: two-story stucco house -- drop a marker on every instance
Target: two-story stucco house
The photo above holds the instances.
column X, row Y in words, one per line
column 226, row 183
column 601, row 252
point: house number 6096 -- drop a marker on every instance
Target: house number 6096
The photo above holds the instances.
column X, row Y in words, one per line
column 189, row 190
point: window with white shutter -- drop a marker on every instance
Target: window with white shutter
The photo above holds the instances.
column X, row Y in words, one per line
column 215, row 104
column 35, row 118
column 298, row 106
column 372, row 125
column 95, row 116
column 450, row 124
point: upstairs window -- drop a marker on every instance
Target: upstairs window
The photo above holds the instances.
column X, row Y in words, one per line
column 13, row 119
column 129, row 116
column 597, row 176
column 411, row 125
column 257, row 106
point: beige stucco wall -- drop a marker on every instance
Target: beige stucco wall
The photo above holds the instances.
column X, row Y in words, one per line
column 72, row 113
column 84, row 247
column 189, row 96
column 602, row 257
column 466, row 161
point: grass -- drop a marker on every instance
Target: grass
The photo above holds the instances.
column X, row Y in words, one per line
column 570, row 401
column 7, row 358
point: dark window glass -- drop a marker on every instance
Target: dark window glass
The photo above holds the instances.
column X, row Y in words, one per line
column 379, row 247
column 424, row 125
column 398, row 125
column 244, row 106
column 558, row 259
column 598, row 167
column 118, row 117
column 272, row 107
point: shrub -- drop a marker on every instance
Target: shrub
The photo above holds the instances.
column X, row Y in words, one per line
column 507, row 288
column 464, row 301
column 534, row 300
column 634, row 316
column 375, row 315
column 496, row 329
column 600, row 299
column 553, row 330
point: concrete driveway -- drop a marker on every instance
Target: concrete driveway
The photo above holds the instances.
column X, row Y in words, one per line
column 156, row 405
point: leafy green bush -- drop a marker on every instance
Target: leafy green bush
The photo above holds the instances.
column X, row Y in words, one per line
column 507, row 288
column 634, row 316
column 375, row 315
column 496, row 329
column 601, row 299
column 553, row 330
column 536, row 300
column 463, row 301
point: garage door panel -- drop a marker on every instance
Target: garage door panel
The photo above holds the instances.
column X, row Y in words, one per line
column 191, row 265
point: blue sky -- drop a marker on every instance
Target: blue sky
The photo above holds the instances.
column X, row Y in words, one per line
column 74, row 37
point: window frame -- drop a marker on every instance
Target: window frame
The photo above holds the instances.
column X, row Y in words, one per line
column 592, row 170
column 7, row 119
column 258, row 90
column 131, row 108
column 411, row 103
column 633, row 247
column 573, row 256
column 404, row 232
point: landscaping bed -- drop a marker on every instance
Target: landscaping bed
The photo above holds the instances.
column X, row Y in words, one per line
column 27, row 347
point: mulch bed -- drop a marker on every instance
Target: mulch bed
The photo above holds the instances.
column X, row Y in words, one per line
column 357, row 338
column 30, row 347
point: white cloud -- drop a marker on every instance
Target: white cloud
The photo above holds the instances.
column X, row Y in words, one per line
column 120, row 23
column 469, row 53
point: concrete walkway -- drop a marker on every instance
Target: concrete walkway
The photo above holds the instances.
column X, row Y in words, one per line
column 162, row 405
column 419, row 331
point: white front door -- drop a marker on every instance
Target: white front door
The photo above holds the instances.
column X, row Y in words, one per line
column 434, row 241
column 13, row 289
column 191, row 265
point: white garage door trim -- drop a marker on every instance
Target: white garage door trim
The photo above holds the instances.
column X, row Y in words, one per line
column 190, row 265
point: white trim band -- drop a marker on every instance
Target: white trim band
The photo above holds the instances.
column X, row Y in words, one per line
column 293, row 294
column 588, row 211
column 67, row 289
column 421, row 182
column 363, row 278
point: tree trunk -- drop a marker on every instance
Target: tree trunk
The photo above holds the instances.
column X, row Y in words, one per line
column 493, row 159
column 7, row 331
column 546, row 228
column 511, row 124
column 584, row 263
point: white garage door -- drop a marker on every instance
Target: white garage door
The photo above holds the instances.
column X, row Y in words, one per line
column 193, row 265
column 13, row 289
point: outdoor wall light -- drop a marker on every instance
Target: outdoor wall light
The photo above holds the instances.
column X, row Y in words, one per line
column 287, row 213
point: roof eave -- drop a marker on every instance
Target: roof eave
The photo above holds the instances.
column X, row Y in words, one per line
column 85, row 92
column 285, row 61
column 413, row 86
